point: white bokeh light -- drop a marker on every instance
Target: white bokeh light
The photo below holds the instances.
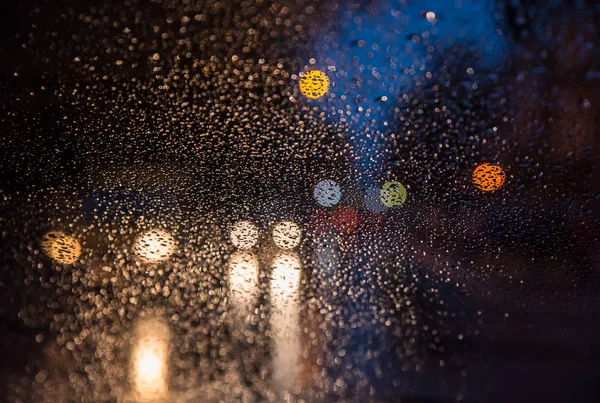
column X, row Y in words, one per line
column 155, row 245
column 287, row 235
column 244, row 234
column 327, row 193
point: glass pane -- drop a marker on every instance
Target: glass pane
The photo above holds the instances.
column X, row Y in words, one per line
column 294, row 200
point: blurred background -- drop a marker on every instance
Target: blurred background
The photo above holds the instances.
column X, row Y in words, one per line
column 257, row 200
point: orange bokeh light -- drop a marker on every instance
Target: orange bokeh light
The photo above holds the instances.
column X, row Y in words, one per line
column 489, row 178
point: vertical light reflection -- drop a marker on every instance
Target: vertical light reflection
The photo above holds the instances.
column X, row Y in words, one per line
column 326, row 255
column 149, row 361
column 243, row 281
column 285, row 295
column 326, row 261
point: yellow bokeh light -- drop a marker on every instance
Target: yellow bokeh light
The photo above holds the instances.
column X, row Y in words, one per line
column 393, row 194
column 287, row 235
column 314, row 84
column 489, row 178
column 61, row 248
column 155, row 245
